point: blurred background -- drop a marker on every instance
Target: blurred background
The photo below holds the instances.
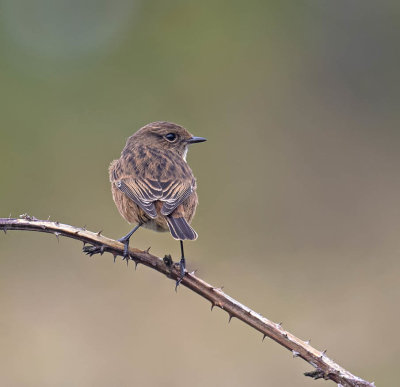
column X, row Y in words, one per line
column 299, row 188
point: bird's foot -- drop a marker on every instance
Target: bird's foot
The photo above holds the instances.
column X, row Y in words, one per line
column 125, row 241
column 182, row 267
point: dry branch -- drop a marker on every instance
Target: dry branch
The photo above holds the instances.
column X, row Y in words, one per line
column 324, row 367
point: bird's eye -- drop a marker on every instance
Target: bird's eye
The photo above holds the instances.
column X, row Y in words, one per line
column 170, row 137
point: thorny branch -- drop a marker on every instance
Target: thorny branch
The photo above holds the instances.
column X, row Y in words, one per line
column 325, row 368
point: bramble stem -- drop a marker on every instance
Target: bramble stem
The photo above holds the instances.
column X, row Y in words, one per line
column 324, row 367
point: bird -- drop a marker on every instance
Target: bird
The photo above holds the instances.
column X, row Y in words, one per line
column 153, row 186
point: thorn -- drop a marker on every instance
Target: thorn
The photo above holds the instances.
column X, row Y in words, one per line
column 230, row 317
column 57, row 234
column 285, row 335
column 136, row 264
column 9, row 216
column 279, row 325
column 295, row 353
column 48, row 218
column 102, row 248
column 84, row 228
column 84, row 244
column 264, row 336
column 5, row 230
column 115, row 257
column 308, row 341
column 219, row 289
column 57, row 223
column 148, row 249
column 76, row 232
column 212, row 306
column 193, row 272
column 99, row 233
column 323, row 353
column 43, row 227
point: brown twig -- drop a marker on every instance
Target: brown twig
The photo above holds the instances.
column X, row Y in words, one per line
column 324, row 367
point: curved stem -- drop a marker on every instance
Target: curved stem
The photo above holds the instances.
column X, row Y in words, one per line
column 324, row 367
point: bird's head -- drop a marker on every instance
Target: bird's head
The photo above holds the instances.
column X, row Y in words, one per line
column 164, row 136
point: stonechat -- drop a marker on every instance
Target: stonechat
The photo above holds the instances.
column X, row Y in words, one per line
column 152, row 184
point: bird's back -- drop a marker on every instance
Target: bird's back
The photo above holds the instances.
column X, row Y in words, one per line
column 156, row 188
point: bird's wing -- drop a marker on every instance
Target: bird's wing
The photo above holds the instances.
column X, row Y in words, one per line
column 175, row 192
column 145, row 191
column 142, row 192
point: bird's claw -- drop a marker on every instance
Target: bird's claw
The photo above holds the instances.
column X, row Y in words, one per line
column 126, row 255
column 177, row 283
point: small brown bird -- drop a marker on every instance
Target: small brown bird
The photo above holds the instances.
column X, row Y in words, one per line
column 152, row 184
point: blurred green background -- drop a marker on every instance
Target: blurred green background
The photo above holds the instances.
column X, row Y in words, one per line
column 299, row 188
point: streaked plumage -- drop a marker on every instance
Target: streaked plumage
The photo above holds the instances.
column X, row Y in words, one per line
column 151, row 182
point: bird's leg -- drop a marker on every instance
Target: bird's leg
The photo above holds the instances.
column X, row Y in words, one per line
column 125, row 241
column 182, row 266
column 182, row 262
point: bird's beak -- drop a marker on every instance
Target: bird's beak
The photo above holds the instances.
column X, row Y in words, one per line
column 194, row 139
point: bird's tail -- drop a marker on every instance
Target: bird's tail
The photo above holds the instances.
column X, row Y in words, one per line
column 180, row 229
